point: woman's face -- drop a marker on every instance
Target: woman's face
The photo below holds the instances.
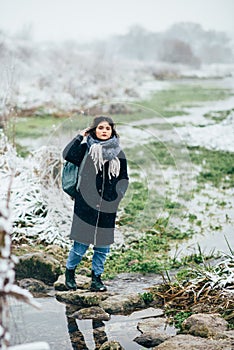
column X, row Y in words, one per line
column 103, row 131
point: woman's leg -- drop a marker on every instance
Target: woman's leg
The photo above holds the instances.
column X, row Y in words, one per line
column 98, row 261
column 75, row 255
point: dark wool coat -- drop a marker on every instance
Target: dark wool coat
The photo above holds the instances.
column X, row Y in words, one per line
column 98, row 197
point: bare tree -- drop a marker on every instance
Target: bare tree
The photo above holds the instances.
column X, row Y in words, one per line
column 177, row 51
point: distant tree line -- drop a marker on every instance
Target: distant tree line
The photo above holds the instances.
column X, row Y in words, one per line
column 185, row 43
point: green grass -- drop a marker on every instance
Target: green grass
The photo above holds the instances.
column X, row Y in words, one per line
column 180, row 317
column 141, row 207
column 32, row 127
column 218, row 116
column 158, row 153
column 148, row 254
column 44, row 125
column 144, row 201
column 164, row 103
column 217, row 166
column 183, row 95
column 22, row 151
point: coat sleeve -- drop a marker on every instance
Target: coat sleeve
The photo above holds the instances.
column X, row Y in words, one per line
column 123, row 182
column 75, row 151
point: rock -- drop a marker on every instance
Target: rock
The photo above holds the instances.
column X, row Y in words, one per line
column 146, row 313
column 154, row 332
column 189, row 342
column 57, row 252
column 228, row 334
column 40, row 266
column 111, row 345
column 36, row 287
column 84, row 271
column 205, row 325
column 54, row 249
column 82, row 282
column 60, row 284
column 122, row 303
column 94, row 312
column 81, row 298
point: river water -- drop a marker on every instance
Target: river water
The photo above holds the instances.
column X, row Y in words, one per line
column 53, row 325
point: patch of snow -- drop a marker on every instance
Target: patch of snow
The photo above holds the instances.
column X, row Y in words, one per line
column 215, row 70
column 217, row 136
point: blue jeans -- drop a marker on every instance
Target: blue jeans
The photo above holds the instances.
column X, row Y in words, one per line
column 79, row 249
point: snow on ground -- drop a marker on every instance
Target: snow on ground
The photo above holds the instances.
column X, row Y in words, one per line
column 194, row 128
column 216, row 137
column 201, row 131
column 215, row 70
column 213, row 207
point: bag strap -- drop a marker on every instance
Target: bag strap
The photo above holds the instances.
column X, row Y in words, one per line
column 81, row 169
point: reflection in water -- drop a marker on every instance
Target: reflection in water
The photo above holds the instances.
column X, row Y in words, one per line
column 54, row 325
column 48, row 324
column 81, row 341
column 77, row 338
column 91, row 334
column 99, row 333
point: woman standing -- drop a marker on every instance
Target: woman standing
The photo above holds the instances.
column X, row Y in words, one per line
column 103, row 184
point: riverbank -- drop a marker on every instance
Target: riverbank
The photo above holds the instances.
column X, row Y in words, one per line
column 137, row 312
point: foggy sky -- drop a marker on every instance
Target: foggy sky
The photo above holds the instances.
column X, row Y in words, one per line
column 89, row 19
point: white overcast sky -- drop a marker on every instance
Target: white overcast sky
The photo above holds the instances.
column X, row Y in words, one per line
column 90, row 19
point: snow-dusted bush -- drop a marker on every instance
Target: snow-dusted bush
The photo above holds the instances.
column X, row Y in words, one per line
column 7, row 273
column 219, row 277
column 41, row 211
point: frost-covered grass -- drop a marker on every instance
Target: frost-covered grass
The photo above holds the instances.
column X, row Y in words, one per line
column 41, row 212
column 203, row 287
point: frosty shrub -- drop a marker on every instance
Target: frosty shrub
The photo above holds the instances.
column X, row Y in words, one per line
column 7, row 273
column 41, row 212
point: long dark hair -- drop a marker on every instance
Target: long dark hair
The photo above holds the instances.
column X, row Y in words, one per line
column 99, row 119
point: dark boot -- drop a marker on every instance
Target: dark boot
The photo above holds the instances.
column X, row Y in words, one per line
column 97, row 284
column 70, row 279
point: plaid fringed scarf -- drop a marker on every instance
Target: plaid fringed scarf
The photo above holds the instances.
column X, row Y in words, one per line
column 105, row 151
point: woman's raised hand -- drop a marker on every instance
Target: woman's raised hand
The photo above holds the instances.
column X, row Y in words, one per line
column 84, row 132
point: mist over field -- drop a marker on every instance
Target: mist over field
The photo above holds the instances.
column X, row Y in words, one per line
column 70, row 75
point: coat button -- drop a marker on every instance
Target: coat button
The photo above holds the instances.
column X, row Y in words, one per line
column 97, row 206
column 99, row 191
